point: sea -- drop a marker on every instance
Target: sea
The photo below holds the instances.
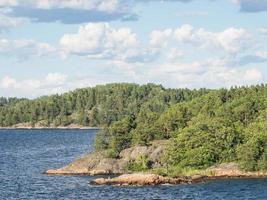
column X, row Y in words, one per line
column 26, row 154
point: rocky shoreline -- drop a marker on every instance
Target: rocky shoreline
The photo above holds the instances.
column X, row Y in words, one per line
column 143, row 179
column 96, row 163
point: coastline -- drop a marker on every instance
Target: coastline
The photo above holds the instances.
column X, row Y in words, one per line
column 146, row 179
column 75, row 127
column 39, row 125
column 97, row 164
column 50, row 128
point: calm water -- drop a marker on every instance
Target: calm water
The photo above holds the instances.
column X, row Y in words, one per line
column 25, row 154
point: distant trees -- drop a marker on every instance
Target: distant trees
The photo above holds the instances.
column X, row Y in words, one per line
column 98, row 106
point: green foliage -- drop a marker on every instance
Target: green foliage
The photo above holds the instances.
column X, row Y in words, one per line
column 252, row 153
column 203, row 142
column 219, row 126
column 178, row 171
column 141, row 163
column 96, row 107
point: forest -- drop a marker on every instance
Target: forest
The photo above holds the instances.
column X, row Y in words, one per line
column 203, row 127
column 95, row 107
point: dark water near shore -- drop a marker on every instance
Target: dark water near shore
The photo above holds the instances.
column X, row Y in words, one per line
column 25, row 154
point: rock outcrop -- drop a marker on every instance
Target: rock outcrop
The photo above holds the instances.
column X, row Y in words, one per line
column 145, row 179
column 97, row 164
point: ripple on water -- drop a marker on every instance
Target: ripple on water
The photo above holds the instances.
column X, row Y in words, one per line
column 26, row 154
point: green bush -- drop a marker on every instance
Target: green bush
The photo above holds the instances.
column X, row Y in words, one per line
column 141, row 163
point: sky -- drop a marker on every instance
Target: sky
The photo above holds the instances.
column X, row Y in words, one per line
column 54, row 46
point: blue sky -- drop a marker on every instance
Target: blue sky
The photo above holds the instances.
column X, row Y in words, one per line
column 53, row 46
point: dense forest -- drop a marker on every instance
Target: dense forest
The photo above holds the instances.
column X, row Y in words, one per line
column 96, row 107
column 203, row 127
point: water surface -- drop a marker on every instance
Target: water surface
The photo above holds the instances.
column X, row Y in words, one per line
column 26, row 154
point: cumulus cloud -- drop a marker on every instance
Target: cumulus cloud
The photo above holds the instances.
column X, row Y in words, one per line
column 77, row 11
column 263, row 30
column 231, row 40
column 50, row 81
column 253, row 75
column 51, row 84
column 7, row 22
column 213, row 73
column 69, row 11
column 23, row 49
column 101, row 41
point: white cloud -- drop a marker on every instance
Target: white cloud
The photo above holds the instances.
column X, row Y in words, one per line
column 253, row 75
column 175, row 54
column 212, row 73
column 263, row 30
column 8, row 3
column 160, row 38
column 23, row 49
column 51, row 84
column 7, row 22
column 69, row 11
column 103, row 5
column 8, row 82
column 55, row 79
column 101, row 41
column 50, row 81
column 231, row 40
column 261, row 54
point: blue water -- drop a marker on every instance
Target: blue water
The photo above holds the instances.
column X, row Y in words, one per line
column 26, row 154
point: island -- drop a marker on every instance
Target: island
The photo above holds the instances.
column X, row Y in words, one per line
column 155, row 135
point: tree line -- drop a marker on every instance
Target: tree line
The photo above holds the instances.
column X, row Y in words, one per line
column 96, row 107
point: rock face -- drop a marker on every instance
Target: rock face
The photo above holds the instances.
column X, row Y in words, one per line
column 96, row 164
column 144, row 179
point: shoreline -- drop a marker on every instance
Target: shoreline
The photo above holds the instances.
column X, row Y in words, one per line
column 50, row 128
column 154, row 179
column 225, row 177
column 97, row 164
column 150, row 179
